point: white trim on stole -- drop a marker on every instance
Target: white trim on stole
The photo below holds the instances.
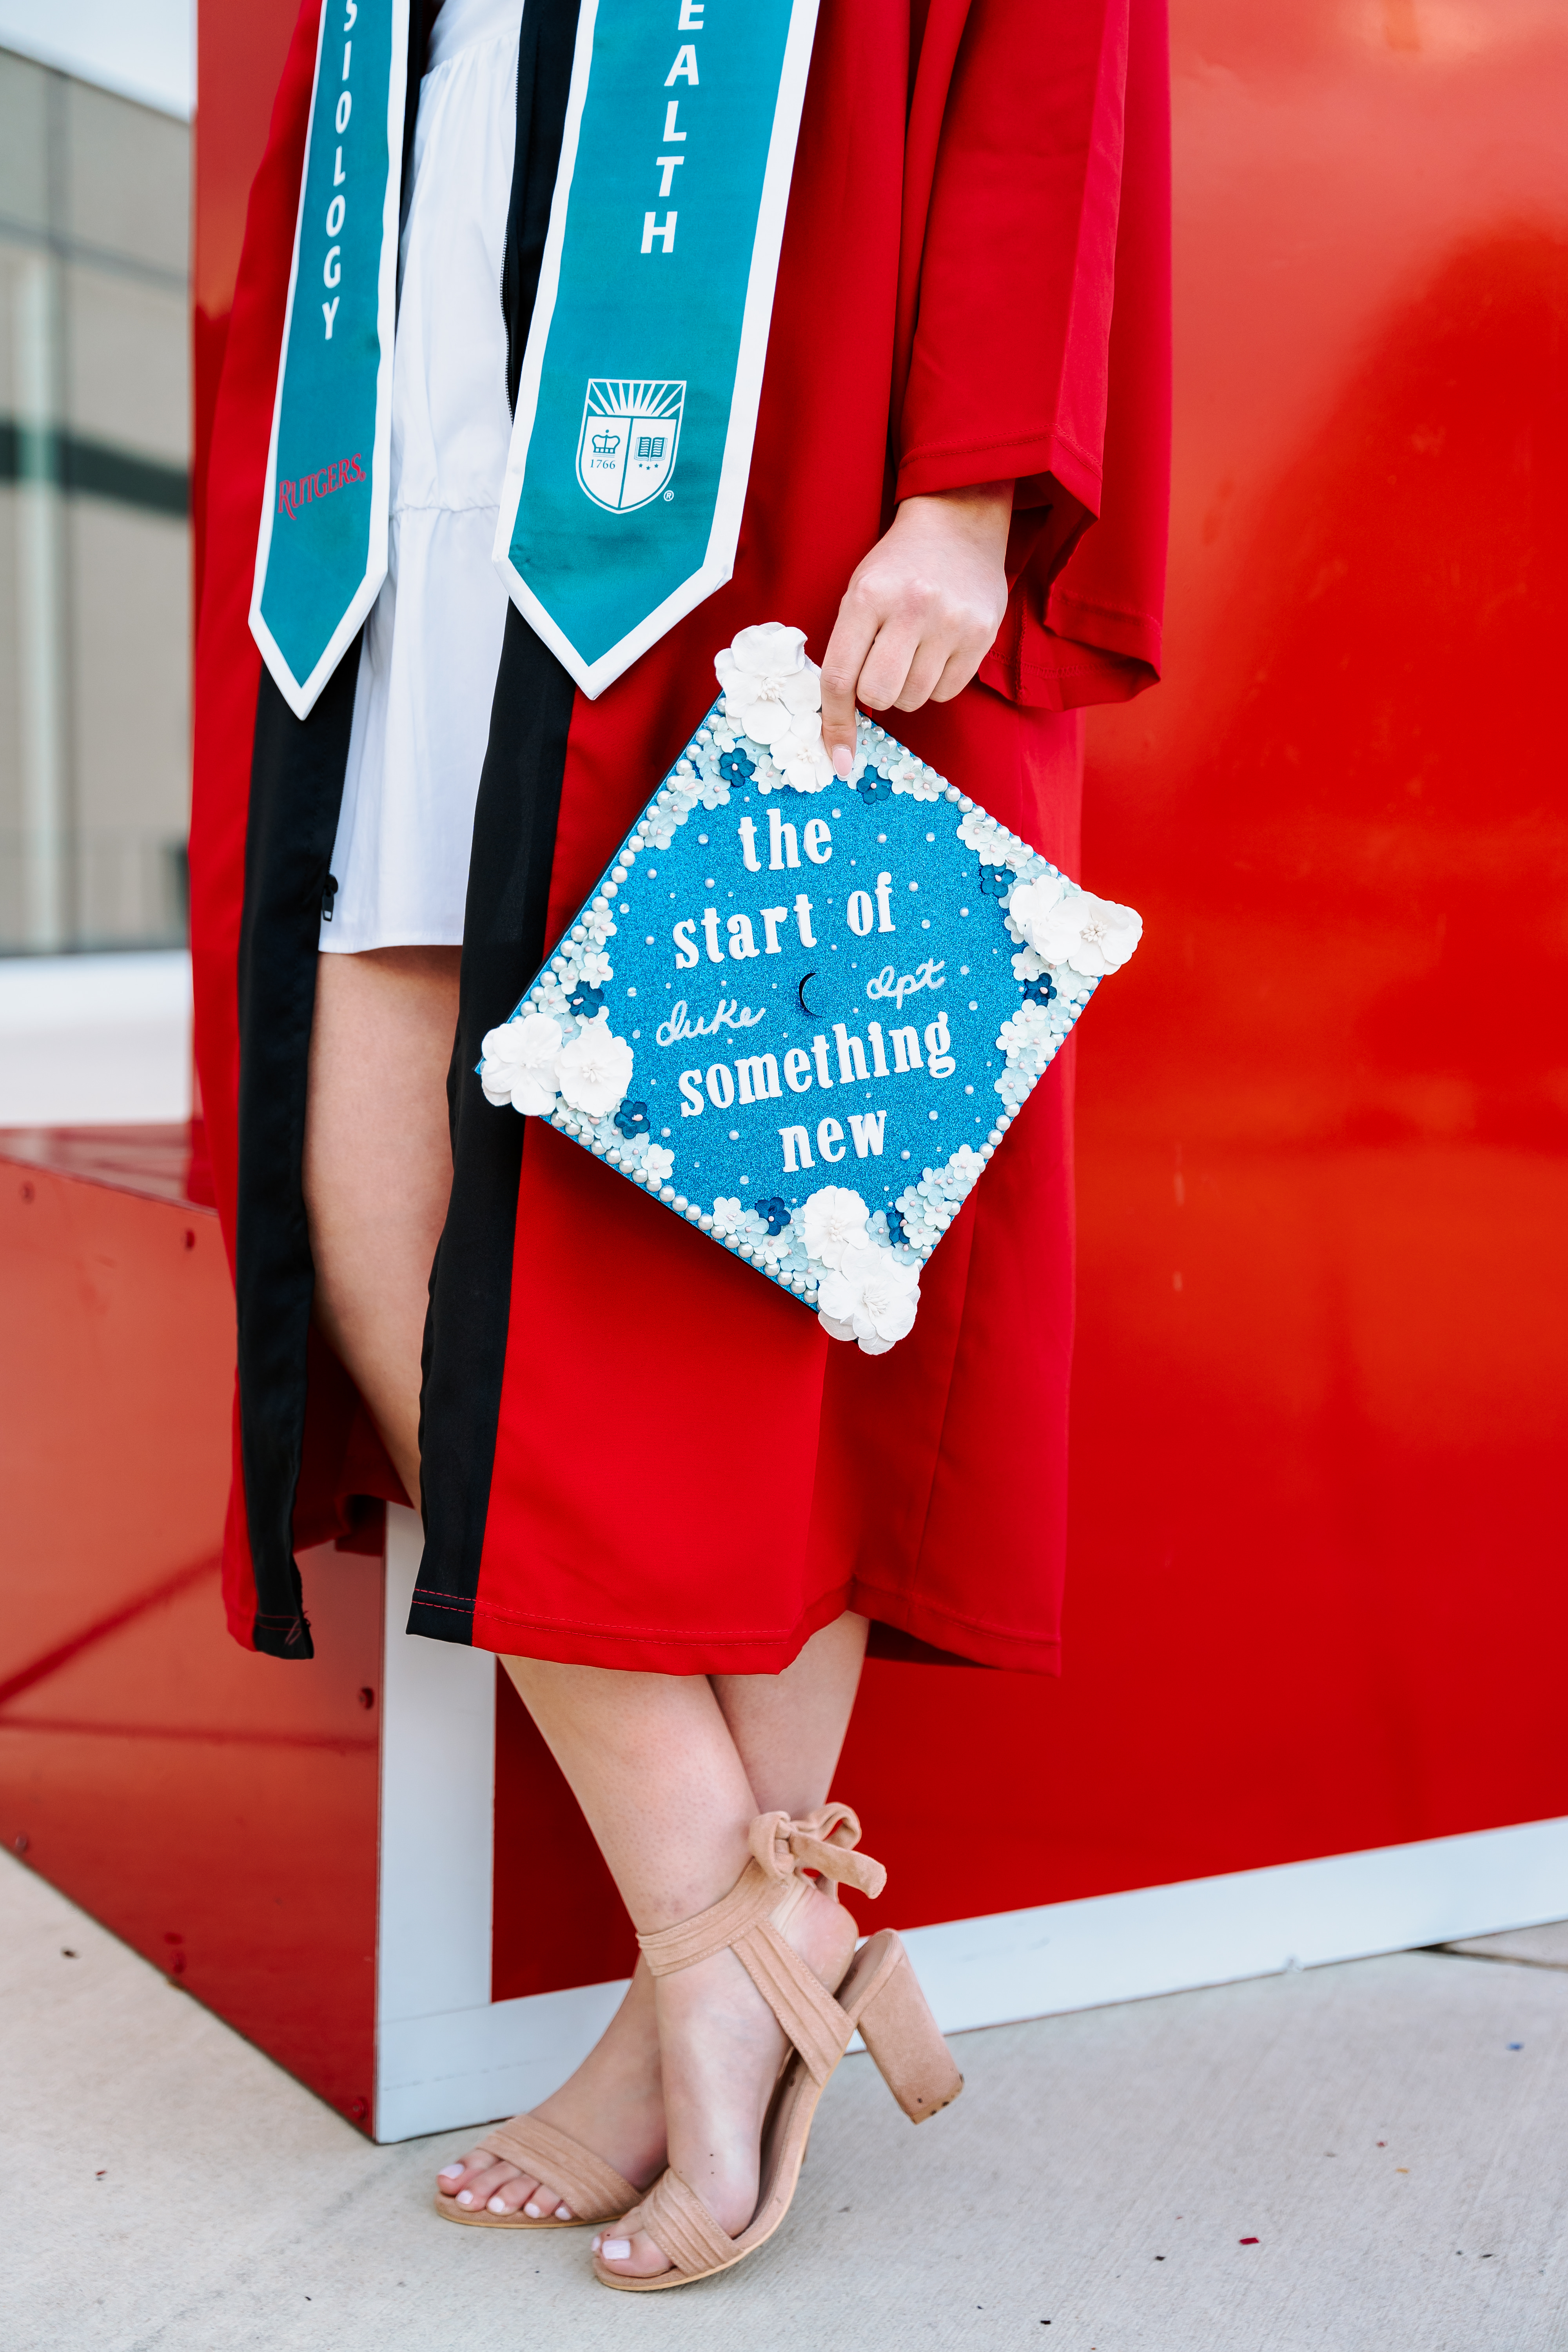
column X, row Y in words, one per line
column 718, row 561
column 301, row 698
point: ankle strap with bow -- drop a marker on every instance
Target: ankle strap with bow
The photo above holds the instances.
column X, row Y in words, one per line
column 747, row 1920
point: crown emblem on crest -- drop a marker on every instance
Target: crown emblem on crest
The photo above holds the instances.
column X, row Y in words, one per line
column 631, row 433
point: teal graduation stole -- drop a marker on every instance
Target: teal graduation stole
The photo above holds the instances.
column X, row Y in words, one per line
column 638, row 404
column 322, row 552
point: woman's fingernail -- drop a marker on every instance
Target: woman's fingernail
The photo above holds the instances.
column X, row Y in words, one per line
column 533, row 2211
column 496, row 2205
column 842, row 765
column 615, row 2250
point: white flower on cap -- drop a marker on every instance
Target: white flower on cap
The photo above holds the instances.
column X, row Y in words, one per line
column 833, row 1220
column 774, row 695
column 727, row 1216
column 658, row 1161
column 1028, row 1038
column 518, row 1062
column 1090, row 935
column 908, row 774
column 1029, row 905
column 871, row 1297
column 985, row 836
column 767, row 680
column 594, row 1070
column 803, row 757
column 550, row 995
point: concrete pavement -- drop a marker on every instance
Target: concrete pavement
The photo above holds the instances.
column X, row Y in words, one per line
column 1390, row 2133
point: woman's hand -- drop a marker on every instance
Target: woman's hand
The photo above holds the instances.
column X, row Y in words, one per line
column 920, row 613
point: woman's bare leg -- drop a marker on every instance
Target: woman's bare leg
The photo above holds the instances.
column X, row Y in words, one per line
column 786, row 1731
column 789, row 1727
column 378, row 1173
column 378, row 1170
column 667, row 1797
column 652, row 1763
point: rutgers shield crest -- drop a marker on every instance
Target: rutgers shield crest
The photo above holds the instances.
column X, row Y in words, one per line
column 626, row 450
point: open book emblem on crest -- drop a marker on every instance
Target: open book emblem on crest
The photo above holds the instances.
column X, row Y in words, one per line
column 626, row 450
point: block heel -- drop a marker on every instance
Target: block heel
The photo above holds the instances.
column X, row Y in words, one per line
column 899, row 2029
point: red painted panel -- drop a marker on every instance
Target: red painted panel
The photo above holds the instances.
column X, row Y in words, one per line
column 1317, row 1599
column 1316, row 1595
column 542, row 1847
column 218, row 1812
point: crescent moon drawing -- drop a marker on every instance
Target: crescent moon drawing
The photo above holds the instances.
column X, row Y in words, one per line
column 800, row 991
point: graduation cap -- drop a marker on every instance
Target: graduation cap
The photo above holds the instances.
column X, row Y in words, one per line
column 803, row 1012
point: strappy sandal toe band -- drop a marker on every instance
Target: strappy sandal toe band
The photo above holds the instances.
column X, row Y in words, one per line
column 879, row 1997
column 593, row 2189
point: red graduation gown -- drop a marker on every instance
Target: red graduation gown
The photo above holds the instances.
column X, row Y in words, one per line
column 663, row 1462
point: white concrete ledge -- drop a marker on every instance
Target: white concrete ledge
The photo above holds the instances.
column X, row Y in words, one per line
column 1250, row 1923
column 469, row 2066
column 478, row 2063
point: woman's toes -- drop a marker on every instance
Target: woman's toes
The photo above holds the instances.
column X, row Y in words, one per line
column 459, row 2178
column 543, row 2204
column 633, row 2254
column 488, row 2180
column 507, row 2196
column 484, row 2183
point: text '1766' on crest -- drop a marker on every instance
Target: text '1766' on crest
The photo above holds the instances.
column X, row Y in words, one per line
column 626, row 451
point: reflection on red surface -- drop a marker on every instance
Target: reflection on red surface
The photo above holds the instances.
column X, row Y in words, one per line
column 217, row 1813
column 153, row 1161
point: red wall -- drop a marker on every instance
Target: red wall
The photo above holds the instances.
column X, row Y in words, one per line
column 1317, row 1599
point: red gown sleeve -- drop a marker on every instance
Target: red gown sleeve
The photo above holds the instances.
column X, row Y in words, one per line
column 1035, row 321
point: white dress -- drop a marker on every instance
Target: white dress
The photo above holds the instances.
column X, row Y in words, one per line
column 432, row 644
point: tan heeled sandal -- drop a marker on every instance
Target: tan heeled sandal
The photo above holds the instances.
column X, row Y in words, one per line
column 878, row 1996
column 593, row 2189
